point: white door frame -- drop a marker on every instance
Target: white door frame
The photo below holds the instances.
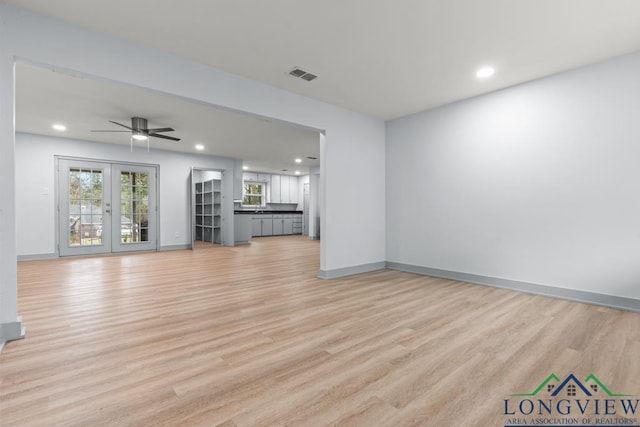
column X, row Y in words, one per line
column 192, row 204
column 151, row 244
column 110, row 165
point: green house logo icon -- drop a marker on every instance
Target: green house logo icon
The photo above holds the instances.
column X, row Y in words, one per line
column 571, row 387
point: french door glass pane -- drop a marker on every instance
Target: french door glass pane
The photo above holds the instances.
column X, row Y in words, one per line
column 85, row 207
column 134, row 198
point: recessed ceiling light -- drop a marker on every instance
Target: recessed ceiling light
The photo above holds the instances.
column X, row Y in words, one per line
column 199, row 147
column 297, row 172
column 245, row 168
column 59, row 127
column 298, row 160
column 485, row 72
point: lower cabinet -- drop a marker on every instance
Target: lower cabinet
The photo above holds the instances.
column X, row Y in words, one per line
column 241, row 228
column 287, row 225
column 261, row 225
column 297, row 224
column 276, row 225
column 256, row 227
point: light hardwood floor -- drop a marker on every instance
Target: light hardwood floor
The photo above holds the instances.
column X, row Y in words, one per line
column 248, row 336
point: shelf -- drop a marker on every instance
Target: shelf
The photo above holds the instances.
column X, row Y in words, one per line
column 208, row 217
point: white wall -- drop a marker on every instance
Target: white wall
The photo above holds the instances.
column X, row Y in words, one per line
column 36, row 211
column 8, row 266
column 537, row 183
column 348, row 237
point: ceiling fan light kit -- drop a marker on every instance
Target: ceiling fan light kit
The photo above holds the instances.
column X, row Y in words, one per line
column 140, row 131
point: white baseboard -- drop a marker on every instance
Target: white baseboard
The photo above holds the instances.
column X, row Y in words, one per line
column 350, row 271
column 36, row 257
column 621, row 303
column 175, row 247
column 11, row 331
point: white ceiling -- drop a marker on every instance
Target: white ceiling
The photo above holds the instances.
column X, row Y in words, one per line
column 379, row 57
column 45, row 97
column 382, row 58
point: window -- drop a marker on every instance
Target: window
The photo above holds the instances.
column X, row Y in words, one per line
column 550, row 387
column 594, row 387
column 253, row 194
column 571, row 390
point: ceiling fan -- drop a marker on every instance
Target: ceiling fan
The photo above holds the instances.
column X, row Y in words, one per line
column 140, row 131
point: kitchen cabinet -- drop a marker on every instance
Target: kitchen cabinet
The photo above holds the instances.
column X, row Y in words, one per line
column 287, row 224
column 278, row 225
column 283, row 225
column 275, row 224
column 284, row 189
column 241, row 228
column 275, row 189
column 261, row 225
column 296, row 223
column 256, row 227
column 250, row 176
column 256, row 177
column 293, row 189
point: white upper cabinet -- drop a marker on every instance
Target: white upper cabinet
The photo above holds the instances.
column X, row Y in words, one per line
column 275, row 189
column 263, row 177
column 256, row 177
column 250, row 176
column 284, row 189
column 293, row 189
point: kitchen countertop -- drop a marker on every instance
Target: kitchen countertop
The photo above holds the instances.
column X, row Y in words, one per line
column 267, row 212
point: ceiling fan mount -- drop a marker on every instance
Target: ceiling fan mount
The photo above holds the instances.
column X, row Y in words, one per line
column 140, row 131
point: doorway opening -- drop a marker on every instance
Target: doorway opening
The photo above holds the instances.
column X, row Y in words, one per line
column 206, row 208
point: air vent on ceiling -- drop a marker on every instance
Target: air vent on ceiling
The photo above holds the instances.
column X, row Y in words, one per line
column 302, row 74
column 312, row 158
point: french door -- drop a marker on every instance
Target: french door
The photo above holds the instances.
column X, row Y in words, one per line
column 106, row 207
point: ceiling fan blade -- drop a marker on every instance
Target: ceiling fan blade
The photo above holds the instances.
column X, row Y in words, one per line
column 120, row 124
column 104, row 130
column 155, row 135
column 159, row 130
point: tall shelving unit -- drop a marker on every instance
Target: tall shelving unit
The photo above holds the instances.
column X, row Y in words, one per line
column 208, row 211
